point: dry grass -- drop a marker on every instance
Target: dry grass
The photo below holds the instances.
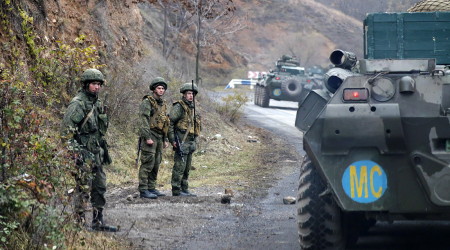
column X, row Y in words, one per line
column 217, row 160
column 96, row 240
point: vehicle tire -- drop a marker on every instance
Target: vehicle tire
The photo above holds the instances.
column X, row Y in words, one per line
column 255, row 98
column 258, row 88
column 261, row 88
column 291, row 87
column 366, row 224
column 264, row 98
column 319, row 217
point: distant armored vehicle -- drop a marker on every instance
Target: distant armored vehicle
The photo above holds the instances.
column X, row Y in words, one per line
column 286, row 82
column 378, row 142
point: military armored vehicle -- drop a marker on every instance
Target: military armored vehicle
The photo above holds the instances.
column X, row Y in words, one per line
column 316, row 75
column 286, row 82
column 378, row 143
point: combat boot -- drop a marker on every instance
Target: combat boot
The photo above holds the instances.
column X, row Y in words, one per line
column 147, row 194
column 180, row 194
column 187, row 193
column 156, row 192
column 98, row 224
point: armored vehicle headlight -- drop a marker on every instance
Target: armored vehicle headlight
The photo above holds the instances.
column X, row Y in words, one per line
column 356, row 95
column 277, row 78
column 309, row 80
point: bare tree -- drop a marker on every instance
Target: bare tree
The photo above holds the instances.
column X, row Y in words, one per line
column 202, row 22
column 164, row 5
column 210, row 21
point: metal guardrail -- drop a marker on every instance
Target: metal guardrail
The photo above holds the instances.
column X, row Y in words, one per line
column 234, row 82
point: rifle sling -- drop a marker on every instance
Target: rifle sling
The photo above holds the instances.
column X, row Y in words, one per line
column 87, row 117
column 188, row 129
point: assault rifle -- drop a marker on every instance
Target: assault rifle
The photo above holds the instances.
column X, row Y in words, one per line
column 138, row 151
column 179, row 148
column 193, row 101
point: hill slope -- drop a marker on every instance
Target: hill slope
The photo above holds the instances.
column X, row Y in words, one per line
column 306, row 28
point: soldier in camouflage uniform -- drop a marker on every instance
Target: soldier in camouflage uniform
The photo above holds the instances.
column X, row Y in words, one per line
column 183, row 123
column 154, row 124
column 84, row 126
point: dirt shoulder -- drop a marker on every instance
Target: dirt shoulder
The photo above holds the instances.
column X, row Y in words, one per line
column 173, row 222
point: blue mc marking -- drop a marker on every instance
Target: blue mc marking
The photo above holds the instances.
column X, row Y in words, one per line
column 364, row 181
column 277, row 92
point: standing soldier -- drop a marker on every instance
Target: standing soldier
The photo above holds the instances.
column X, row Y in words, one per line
column 153, row 130
column 186, row 130
column 84, row 125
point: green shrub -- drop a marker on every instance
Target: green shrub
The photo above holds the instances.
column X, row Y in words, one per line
column 35, row 168
column 232, row 105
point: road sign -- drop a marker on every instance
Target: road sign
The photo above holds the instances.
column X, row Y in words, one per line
column 255, row 74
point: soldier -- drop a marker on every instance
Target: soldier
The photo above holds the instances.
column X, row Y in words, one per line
column 181, row 122
column 154, row 125
column 84, row 125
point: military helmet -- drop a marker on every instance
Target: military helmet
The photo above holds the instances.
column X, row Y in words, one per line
column 188, row 86
column 158, row 81
column 92, row 75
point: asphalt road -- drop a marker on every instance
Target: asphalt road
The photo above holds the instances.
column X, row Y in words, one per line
column 277, row 222
column 257, row 218
column 266, row 223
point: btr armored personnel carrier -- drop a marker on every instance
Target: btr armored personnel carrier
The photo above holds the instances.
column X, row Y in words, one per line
column 286, row 82
column 378, row 142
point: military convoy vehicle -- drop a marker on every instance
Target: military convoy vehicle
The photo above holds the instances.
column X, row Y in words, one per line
column 286, row 82
column 316, row 75
column 378, row 142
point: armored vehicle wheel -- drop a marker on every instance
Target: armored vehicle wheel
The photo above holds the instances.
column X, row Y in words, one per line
column 291, row 87
column 265, row 98
column 257, row 95
column 319, row 217
column 260, row 90
column 255, row 98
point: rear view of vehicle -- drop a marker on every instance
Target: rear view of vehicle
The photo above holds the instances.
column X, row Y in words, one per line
column 378, row 143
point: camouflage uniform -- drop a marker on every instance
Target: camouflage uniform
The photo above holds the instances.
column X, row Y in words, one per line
column 154, row 125
column 85, row 124
column 180, row 118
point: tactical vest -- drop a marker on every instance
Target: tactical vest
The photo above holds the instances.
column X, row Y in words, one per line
column 183, row 124
column 159, row 122
column 97, row 123
column 95, row 126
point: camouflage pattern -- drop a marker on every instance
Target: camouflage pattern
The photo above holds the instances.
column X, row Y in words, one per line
column 179, row 118
column 150, row 161
column 154, row 124
column 158, row 81
column 183, row 123
column 93, row 148
column 91, row 75
column 180, row 171
column 188, row 86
